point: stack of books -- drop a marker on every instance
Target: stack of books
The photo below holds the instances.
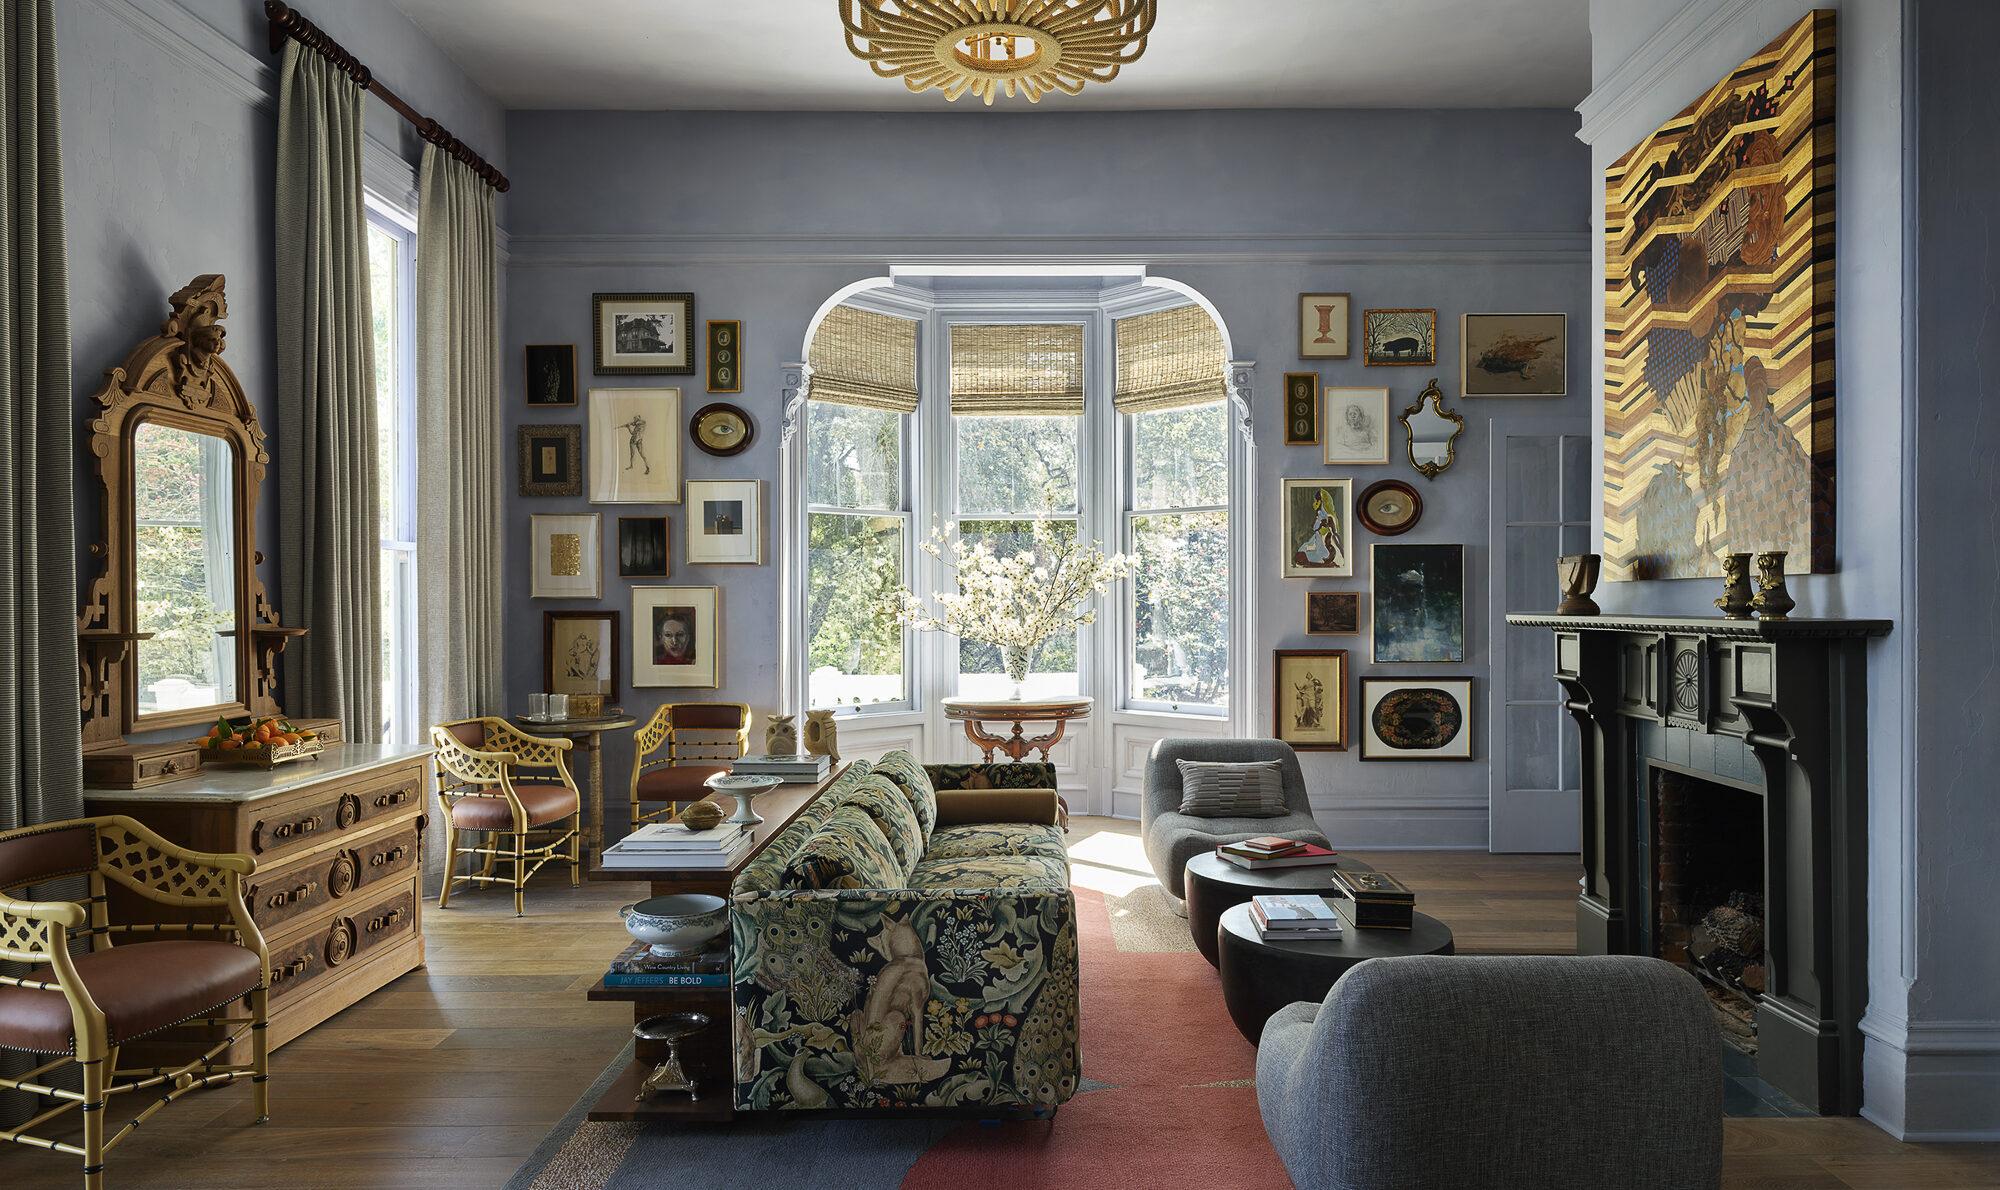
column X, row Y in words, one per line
column 1271, row 851
column 672, row 845
column 636, row 968
column 1298, row 916
column 804, row 766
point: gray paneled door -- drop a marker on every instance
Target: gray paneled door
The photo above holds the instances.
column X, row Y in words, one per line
column 1543, row 489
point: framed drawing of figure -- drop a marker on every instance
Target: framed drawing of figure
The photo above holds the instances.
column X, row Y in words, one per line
column 1318, row 527
column 1357, row 425
column 1310, row 705
column 635, row 446
column 675, row 636
column 580, row 653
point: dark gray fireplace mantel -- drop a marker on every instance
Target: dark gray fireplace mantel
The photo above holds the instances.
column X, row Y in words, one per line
column 1793, row 693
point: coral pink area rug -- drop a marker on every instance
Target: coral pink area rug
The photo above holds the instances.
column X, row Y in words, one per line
column 1167, row 1100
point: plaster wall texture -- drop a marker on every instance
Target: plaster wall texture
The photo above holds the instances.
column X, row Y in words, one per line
column 763, row 216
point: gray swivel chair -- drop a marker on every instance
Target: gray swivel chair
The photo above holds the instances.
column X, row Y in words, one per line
column 1503, row 1072
column 1172, row 838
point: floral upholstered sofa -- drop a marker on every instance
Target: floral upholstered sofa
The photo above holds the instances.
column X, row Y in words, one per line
column 909, row 940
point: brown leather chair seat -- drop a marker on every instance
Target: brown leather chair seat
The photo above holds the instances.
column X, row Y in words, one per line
column 678, row 783
column 140, row 986
column 544, row 804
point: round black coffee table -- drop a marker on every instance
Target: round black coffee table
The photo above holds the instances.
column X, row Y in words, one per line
column 1260, row 977
column 1214, row 884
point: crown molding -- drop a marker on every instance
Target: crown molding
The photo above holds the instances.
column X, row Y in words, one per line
column 1633, row 81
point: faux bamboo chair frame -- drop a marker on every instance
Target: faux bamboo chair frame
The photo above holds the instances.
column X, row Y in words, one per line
column 40, row 932
column 463, row 772
column 683, row 743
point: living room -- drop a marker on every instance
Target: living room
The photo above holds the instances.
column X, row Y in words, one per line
column 737, row 274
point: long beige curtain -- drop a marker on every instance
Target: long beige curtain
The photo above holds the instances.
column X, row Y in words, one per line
column 328, row 505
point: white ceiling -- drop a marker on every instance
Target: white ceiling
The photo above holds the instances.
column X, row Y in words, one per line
column 790, row 54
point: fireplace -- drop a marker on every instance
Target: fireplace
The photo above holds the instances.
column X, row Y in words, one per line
column 1724, row 808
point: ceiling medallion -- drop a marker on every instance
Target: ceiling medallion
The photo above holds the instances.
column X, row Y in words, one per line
column 981, row 46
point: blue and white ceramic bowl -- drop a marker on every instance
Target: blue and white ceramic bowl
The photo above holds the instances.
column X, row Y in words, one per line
column 679, row 925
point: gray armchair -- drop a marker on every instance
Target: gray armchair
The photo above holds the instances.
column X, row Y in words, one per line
column 1502, row 1072
column 1172, row 838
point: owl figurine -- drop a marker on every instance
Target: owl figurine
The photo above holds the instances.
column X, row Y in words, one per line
column 781, row 736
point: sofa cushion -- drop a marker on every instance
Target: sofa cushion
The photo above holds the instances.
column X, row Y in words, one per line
column 847, row 851
column 1017, row 873
column 996, row 838
column 1223, row 789
column 885, row 803
column 902, row 768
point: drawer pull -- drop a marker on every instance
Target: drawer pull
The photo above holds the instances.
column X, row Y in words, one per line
column 293, row 830
column 280, row 900
column 296, row 968
column 377, row 925
column 393, row 799
column 384, row 858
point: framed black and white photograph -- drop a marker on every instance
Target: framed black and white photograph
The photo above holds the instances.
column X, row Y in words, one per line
column 550, row 460
column 1418, row 610
column 1514, row 355
column 642, row 547
column 580, row 652
column 725, row 355
column 1398, row 337
column 563, row 556
column 551, row 373
column 1318, row 527
column 642, row 334
column 1323, row 321
column 725, row 522
column 1357, row 426
column 1415, row 718
column 675, row 636
column 635, row 446
column 1333, row 613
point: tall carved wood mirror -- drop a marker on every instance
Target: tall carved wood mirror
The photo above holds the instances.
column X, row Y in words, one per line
column 175, row 630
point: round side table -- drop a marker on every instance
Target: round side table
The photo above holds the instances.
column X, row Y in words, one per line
column 1260, row 977
column 1213, row 884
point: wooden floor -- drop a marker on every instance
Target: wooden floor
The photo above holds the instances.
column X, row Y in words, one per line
column 450, row 1076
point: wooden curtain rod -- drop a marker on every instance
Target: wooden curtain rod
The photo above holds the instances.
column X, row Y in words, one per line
column 287, row 21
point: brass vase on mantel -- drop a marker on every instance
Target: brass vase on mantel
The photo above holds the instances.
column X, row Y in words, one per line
column 1736, row 597
column 1773, row 601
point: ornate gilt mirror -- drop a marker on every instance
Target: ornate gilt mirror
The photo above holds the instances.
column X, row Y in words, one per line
column 1433, row 430
column 174, row 629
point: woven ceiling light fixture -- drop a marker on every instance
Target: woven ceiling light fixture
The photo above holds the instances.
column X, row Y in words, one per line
column 981, row 46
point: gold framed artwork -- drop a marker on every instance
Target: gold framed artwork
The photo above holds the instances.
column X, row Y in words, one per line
column 676, row 636
column 1333, row 613
column 1323, row 320
column 1357, row 426
column 1301, row 409
column 1318, row 527
column 725, row 355
column 1416, row 718
column 550, row 369
column 563, row 557
column 725, row 522
column 642, row 334
column 1398, row 338
column 550, row 460
column 1514, row 355
column 635, row 446
column 1309, row 706
column 580, row 653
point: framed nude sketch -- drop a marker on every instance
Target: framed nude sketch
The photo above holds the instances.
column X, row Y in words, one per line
column 580, row 653
column 635, row 446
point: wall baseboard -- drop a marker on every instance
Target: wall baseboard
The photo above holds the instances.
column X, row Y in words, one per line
column 1945, row 1073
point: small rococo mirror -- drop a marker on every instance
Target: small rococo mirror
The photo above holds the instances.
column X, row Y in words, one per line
column 1433, row 429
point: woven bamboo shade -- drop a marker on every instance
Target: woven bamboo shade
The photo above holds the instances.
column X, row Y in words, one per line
column 1169, row 360
column 1017, row 371
column 862, row 358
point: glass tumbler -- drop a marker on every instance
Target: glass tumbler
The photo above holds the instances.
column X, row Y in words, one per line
column 538, row 706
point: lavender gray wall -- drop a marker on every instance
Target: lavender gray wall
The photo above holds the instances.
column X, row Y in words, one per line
column 762, row 216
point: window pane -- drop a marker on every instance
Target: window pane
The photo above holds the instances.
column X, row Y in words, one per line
column 1180, row 457
column 853, row 456
column 1052, row 671
column 1016, row 464
column 852, row 562
column 1180, row 609
column 383, row 249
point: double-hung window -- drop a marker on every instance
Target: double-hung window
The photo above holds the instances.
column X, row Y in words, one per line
column 392, row 288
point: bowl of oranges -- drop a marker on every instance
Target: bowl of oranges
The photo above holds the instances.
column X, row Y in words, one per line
column 266, row 742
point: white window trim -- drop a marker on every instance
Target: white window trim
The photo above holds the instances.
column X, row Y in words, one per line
column 400, row 220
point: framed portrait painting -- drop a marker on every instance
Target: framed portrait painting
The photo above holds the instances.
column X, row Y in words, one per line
column 1398, row 337
column 635, row 446
column 580, row 653
column 1514, row 355
column 1301, row 409
column 1357, row 426
column 642, row 547
column 1333, row 613
column 551, row 373
column 1318, row 527
column 550, row 460
column 1310, row 705
column 725, row 521
column 642, row 334
column 1418, row 612
column 1416, row 718
column 1323, row 319
column 675, row 636
column 563, row 557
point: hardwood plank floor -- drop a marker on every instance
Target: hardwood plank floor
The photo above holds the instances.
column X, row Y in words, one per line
column 449, row 1077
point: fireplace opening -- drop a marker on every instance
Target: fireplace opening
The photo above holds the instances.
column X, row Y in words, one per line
column 1708, row 892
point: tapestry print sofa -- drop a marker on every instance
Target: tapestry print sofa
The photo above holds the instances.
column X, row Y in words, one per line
column 909, row 941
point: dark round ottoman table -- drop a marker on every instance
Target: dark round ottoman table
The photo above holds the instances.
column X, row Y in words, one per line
column 1260, row 977
column 1213, row 884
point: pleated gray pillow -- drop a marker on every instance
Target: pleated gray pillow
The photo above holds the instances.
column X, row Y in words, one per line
column 1224, row 789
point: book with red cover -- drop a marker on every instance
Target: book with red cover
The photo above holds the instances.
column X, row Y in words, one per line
column 1305, row 856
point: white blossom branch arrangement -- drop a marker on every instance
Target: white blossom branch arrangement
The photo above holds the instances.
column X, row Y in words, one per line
column 1015, row 602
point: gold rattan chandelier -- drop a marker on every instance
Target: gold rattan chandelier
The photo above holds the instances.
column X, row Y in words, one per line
column 981, row 46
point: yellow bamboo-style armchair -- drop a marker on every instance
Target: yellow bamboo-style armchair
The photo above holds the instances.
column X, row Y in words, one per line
column 85, row 1006
column 680, row 748
column 479, row 764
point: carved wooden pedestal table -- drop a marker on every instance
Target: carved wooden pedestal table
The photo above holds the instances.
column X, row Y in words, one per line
column 586, row 734
column 975, row 713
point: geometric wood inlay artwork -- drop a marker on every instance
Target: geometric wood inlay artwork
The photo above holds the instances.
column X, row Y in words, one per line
column 1718, row 324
